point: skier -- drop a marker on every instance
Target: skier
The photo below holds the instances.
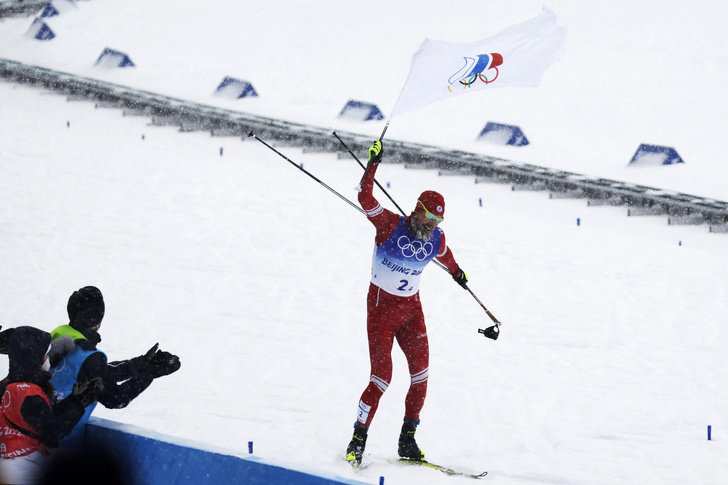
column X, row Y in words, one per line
column 403, row 247
column 31, row 421
column 80, row 360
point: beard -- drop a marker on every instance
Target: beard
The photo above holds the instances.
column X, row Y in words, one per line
column 420, row 231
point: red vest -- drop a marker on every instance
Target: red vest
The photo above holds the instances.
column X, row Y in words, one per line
column 14, row 443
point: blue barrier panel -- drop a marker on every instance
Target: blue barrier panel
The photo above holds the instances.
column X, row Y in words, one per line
column 157, row 459
column 649, row 155
column 235, row 88
column 57, row 7
column 361, row 111
column 49, row 11
column 114, row 58
column 503, row 134
column 39, row 30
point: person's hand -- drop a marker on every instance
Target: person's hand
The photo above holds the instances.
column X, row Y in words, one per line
column 460, row 278
column 163, row 364
column 142, row 362
column 88, row 392
column 375, row 152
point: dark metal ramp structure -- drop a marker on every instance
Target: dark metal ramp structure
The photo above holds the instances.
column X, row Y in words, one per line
column 639, row 200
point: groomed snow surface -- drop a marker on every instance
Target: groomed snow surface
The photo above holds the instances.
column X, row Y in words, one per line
column 611, row 362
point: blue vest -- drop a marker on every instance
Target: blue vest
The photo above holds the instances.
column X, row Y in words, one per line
column 398, row 263
column 65, row 376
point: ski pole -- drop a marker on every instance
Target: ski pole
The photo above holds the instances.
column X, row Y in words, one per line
column 308, row 173
column 365, row 169
column 490, row 332
column 492, row 317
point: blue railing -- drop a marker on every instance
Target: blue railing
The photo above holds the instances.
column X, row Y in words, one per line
column 155, row 459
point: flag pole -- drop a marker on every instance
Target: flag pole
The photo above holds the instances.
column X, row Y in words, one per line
column 384, row 131
column 369, row 164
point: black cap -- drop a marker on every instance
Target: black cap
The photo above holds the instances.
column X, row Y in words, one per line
column 86, row 307
column 26, row 350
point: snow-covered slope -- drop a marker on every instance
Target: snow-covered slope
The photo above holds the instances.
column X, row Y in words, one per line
column 611, row 359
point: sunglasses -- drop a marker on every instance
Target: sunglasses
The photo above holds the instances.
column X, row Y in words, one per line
column 430, row 215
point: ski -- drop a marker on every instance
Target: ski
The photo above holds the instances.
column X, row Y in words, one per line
column 443, row 469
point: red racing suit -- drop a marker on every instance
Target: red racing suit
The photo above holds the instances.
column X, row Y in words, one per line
column 393, row 302
column 14, row 443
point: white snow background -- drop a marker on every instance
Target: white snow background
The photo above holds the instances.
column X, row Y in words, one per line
column 611, row 363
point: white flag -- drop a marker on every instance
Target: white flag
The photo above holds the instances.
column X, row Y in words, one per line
column 518, row 56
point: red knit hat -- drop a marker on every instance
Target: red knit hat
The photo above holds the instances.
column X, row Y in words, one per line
column 433, row 201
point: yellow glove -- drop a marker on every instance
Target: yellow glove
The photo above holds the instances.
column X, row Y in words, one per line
column 460, row 278
column 375, row 152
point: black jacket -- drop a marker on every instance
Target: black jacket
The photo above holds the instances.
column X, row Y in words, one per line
column 26, row 349
column 122, row 381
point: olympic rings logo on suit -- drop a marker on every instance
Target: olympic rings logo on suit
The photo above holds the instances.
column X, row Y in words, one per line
column 417, row 249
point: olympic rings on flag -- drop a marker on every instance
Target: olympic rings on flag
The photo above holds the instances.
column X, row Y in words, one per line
column 483, row 78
